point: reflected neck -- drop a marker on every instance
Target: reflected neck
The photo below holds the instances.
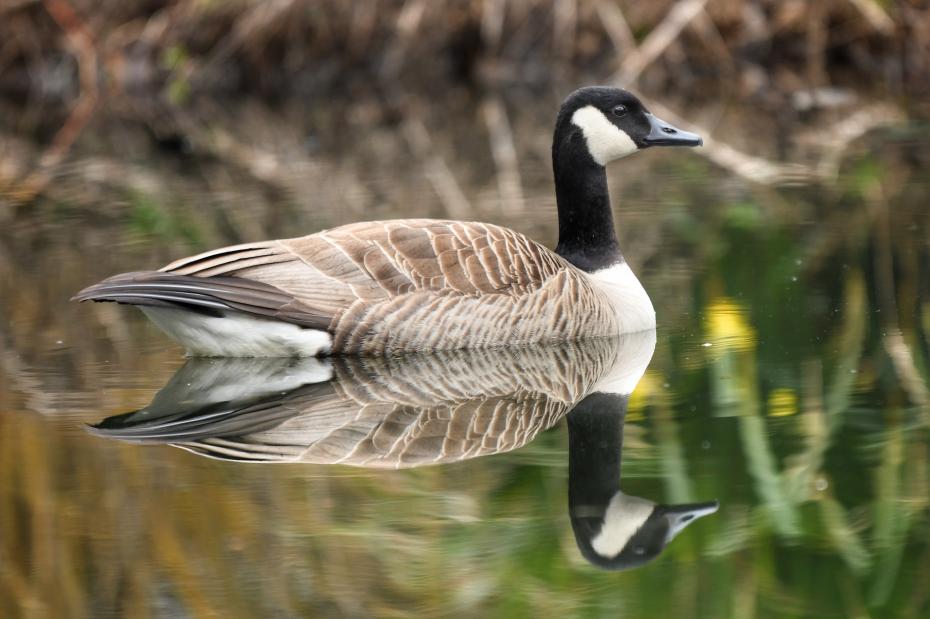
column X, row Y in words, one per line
column 587, row 238
column 595, row 445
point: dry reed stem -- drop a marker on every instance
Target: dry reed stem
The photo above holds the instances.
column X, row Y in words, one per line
column 616, row 26
column 902, row 359
column 8, row 6
column 84, row 50
column 875, row 15
column 755, row 169
column 492, row 22
column 564, row 26
column 750, row 167
column 437, row 170
column 408, row 22
column 816, row 43
column 21, row 378
column 710, row 34
column 504, row 153
column 260, row 17
column 832, row 142
column 836, row 138
column 658, row 40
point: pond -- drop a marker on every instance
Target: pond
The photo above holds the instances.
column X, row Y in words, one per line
column 772, row 459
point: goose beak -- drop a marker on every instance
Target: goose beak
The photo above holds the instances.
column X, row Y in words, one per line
column 680, row 516
column 662, row 133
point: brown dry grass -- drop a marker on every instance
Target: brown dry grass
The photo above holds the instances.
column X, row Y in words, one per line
column 311, row 47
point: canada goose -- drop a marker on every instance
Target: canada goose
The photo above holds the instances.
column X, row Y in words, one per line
column 380, row 412
column 614, row 530
column 422, row 284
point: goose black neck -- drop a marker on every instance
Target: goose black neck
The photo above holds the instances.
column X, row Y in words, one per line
column 595, row 443
column 586, row 225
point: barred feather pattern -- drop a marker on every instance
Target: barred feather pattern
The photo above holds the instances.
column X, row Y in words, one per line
column 379, row 412
column 422, row 285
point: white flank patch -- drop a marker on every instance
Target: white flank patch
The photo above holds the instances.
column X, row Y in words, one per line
column 628, row 297
column 635, row 353
column 624, row 516
column 227, row 380
column 606, row 141
column 233, row 379
column 238, row 335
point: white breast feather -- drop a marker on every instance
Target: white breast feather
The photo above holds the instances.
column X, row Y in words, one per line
column 238, row 335
column 605, row 140
column 627, row 296
column 635, row 354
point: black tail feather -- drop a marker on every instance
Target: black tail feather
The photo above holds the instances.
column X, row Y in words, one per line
column 205, row 295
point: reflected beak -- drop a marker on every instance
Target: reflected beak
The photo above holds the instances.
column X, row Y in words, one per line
column 662, row 133
column 680, row 516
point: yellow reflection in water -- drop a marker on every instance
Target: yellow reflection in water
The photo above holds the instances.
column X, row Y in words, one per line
column 727, row 326
column 782, row 403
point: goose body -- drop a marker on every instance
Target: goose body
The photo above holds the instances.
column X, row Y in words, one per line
column 414, row 285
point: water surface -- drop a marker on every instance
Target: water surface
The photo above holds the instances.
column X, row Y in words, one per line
column 788, row 383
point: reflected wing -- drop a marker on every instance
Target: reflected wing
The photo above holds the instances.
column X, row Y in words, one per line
column 385, row 413
column 384, row 435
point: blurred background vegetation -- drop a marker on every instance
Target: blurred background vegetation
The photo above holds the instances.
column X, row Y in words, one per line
column 789, row 262
column 265, row 90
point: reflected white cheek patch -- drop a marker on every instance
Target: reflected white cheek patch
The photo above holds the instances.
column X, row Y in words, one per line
column 605, row 140
column 624, row 517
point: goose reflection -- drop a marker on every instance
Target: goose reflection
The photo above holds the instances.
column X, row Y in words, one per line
column 403, row 412
column 614, row 530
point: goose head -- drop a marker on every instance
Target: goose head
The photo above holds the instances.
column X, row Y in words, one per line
column 595, row 126
column 632, row 531
column 605, row 124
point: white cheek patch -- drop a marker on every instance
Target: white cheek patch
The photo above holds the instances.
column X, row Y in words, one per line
column 606, row 141
column 625, row 515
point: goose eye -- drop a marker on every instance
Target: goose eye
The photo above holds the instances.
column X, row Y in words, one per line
column 619, row 110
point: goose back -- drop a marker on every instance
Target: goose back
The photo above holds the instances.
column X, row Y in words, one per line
column 419, row 285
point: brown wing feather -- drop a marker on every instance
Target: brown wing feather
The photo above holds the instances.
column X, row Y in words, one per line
column 396, row 257
column 420, row 284
column 226, row 259
column 204, row 294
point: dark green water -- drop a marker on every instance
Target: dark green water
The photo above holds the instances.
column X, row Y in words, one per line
column 789, row 382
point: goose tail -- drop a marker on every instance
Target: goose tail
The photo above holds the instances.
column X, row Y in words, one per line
column 220, row 315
